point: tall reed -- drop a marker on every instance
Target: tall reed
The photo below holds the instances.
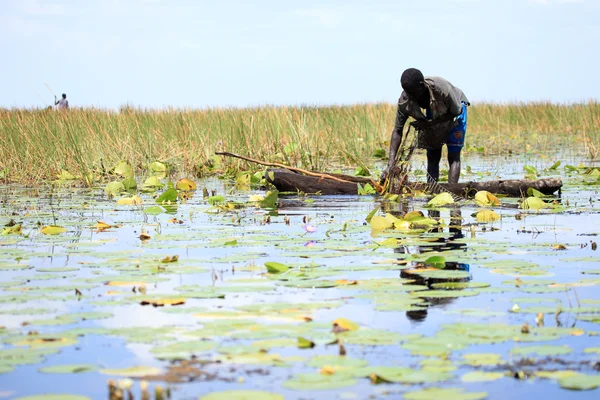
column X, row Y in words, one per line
column 36, row 144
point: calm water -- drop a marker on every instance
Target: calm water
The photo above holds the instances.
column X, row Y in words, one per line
column 526, row 260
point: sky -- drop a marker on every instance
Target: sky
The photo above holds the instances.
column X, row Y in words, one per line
column 199, row 54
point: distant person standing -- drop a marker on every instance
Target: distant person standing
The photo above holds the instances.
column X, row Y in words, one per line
column 62, row 104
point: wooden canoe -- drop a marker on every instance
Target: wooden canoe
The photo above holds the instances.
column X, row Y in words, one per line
column 288, row 181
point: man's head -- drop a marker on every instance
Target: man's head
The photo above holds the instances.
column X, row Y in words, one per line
column 413, row 83
column 64, row 96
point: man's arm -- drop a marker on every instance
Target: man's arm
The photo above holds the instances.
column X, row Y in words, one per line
column 396, row 136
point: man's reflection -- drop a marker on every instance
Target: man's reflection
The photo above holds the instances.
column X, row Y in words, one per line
column 436, row 244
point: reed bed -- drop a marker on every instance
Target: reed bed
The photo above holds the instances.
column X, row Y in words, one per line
column 35, row 145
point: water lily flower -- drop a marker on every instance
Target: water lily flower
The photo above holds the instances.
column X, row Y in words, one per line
column 309, row 228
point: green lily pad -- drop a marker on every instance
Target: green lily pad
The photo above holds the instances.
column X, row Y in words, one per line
column 543, row 350
column 319, row 382
column 441, row 294
column 5, row 369
column 53, row 397
column 68, row 368
column 437, row 365
column 274, row 343
column 481, row 376
column 444, row 394
column 459, row 285
column 242, row 395
column 375, row 337
column 275, row 267
column 483, row 359
column 424, row 376
column 592, row 350
column 579, row 382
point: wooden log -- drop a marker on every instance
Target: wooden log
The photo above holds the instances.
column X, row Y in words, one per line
column 288, row 181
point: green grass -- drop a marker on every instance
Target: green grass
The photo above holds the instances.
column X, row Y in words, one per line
column 35, row 145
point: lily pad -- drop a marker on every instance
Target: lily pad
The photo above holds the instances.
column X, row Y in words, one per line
column 579, row 382
column 68, row 368
column 242, row 395
column 444, row 394
column 481, row 376
column 53, row 397
column 543, row 350
column 319, row 382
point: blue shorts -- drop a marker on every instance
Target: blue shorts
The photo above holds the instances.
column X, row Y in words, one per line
column 456, row 137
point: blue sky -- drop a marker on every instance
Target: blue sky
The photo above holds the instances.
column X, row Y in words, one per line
column 194, row 53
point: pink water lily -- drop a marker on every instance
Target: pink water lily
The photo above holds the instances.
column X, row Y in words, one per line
column 309, row 228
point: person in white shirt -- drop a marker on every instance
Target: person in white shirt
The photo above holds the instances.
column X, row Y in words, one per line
column 62, row 104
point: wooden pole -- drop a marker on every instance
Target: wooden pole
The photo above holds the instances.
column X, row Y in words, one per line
column 375, row 184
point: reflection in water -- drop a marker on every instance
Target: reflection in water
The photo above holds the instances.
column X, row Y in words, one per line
column 437, row 244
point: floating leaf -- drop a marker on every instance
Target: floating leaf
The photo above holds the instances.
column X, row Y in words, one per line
column 124, row 169
column 157, row 166
column 534, row 203
column 554, row 166
column 214, row 200
column 130, row 201
column 440, row 200
column 184, row 184
column 343, row 324
column 436, row 261
column 319, row 382
column 12, row 230
column 68, row 368
column 114, row 188
column 484, row 198
column 53, row 230
column 487, row 216
column 242, row 395
column 481, row 376
column 379, row 223
column 53, row 397
column 275, row 267
column 154, row 210
column 579, row 382
column 270, row 199
column 305, row 343
column 255, row 198
column 152, row 182
column 444, row 394
column 542, row 350
column 130, row 183
column 169, row 196
column 371, row 214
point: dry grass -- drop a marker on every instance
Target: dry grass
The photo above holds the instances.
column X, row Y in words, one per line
column 36, row 144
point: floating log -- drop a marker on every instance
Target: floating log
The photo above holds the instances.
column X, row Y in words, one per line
column 287, row 181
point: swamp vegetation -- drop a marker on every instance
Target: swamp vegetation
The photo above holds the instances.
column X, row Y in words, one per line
column 134, row 263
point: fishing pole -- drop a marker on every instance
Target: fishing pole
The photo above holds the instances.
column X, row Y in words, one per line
column 52, row 93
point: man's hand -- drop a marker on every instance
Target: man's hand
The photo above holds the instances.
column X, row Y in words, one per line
column 384, row 175
column 420, row 124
